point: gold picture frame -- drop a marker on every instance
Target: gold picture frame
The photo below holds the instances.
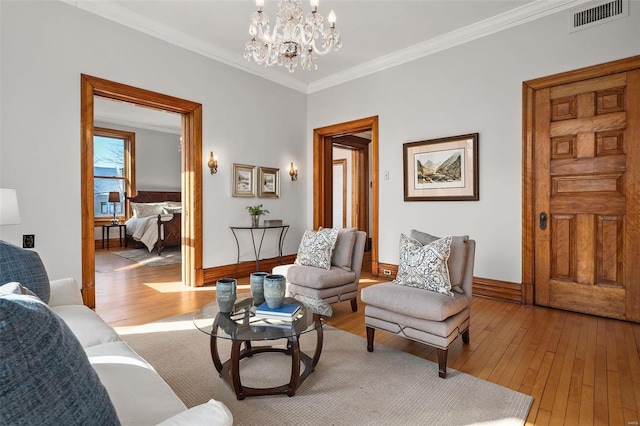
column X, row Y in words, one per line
column 268, row 182
column 444, row 169
column 243, row 181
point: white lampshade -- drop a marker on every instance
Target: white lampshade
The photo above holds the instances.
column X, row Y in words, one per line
column 9, row 211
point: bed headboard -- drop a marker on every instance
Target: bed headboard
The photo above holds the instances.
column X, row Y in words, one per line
column 156, row 196
column 153, row 197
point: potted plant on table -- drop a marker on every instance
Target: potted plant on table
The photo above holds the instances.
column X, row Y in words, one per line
column 256, row 212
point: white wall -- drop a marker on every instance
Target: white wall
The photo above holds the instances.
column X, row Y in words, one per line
column 339, row 154
column 45, row 46
column 476, row 87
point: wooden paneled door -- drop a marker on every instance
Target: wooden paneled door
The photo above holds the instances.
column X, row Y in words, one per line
column 586, row 195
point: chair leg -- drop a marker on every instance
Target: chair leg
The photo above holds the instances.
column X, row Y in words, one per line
column 442, row 363
column 354, row 305
column 465, row 336
column 370, row 334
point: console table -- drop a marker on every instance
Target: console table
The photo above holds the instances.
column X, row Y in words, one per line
column 257, row 249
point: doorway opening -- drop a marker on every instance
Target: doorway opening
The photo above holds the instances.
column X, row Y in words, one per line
column 359, row 139
column 191, row 175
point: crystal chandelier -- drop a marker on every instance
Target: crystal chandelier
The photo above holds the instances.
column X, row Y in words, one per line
column 294, row 36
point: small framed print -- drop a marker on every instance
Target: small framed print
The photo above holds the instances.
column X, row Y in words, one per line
column 443, row 169
column 243, row 181
column 268, row 182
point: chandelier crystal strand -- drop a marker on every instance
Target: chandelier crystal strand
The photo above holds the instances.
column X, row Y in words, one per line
column 293, row 38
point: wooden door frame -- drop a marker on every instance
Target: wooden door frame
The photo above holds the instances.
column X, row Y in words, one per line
column 323, row 180
column 529, row 216
column 191, row 176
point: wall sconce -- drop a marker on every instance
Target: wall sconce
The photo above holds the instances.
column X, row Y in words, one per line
column 293, row 172
column 213, row 163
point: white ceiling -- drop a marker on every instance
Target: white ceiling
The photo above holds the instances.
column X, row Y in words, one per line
column 376, row 34
column 126, row 114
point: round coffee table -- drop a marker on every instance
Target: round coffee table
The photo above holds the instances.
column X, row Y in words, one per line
column 243, row 327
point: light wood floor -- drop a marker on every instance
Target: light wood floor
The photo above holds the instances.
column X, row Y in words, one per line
column 580, row 369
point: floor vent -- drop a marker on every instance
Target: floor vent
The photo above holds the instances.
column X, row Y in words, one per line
column 599, row 13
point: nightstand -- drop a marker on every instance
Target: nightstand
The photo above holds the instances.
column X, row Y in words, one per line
column 122, row 229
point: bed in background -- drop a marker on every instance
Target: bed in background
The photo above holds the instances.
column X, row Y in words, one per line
column 156, row 219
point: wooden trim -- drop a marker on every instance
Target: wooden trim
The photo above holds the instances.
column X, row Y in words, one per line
column 494, row 289
column 114, row 243
column 211, row 275
column 191, row 173
column 343, row 163
column 86, row 193
column 322, row 169
column 391, row 270
column 528, row 219
column 529, row 89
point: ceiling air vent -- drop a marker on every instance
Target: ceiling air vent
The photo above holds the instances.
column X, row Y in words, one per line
column 598, row 13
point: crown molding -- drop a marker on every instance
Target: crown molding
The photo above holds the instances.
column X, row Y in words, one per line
column 523, row 14
column 532, row 11
column 112, row 11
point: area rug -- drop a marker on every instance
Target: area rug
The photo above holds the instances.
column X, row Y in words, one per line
column 349, row 386
column 170, row 256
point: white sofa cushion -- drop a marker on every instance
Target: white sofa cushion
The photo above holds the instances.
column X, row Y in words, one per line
column 87, row 326
column 65, row 291
column 138, row 393
column 212, row 413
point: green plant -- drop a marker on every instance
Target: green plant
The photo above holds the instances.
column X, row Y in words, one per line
column 257, row 210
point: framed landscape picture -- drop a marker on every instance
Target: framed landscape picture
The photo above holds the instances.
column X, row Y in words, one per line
column 269, row 182
column 444, row 169
column 243, row 181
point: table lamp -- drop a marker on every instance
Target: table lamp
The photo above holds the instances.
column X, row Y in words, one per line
column 9, row 211
column 114, row 197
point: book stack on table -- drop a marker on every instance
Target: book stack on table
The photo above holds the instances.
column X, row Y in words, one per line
column 281, row 317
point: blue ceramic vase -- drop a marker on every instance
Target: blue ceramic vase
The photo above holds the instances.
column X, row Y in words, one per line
column 257, row 287
column 226, row 294
column 274, row 289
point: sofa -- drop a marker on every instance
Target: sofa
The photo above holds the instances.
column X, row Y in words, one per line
column 60, row 363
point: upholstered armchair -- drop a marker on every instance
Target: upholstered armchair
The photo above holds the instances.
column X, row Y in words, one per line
column 434, row 316
column 338, row 282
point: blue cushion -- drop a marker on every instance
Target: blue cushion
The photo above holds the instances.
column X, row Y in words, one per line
column 25, row 267
column 45, row 375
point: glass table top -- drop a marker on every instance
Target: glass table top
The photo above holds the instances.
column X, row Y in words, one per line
column 243, row 324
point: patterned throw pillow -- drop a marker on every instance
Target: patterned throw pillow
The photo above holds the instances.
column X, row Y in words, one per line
column 316, row 248
column 425, row 266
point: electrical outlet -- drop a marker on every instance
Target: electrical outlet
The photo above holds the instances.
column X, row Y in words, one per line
column 28, row 241
column 386, row 271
